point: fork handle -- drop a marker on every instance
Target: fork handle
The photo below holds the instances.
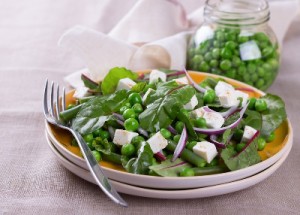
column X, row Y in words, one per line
column 97, row 171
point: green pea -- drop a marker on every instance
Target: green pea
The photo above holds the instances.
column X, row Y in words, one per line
column 187, row 172
column 104, row 134
column 88, row 138
column 226, row 53
column 261, row 143
column 97, row 155
column 197, row 59
column 260, row 72
column 97, row 132
column 216, row 71
column 241, row 70
column 213, row 63
column 267, row 51
column 220, row 36
column 200, row 122
column 204, row 66
column 251, row 67
column 243, row 39
column 230, row 45
column 138, row 108
column 239, row 147
column 261, row 37
column 137, row 140
column 176, row 138
column 230, row 36
column 131, row 124
column 90, row 145
column 236, row 61
column 165, row 133
column 260, row 83
column 129, row 113
column 179, row 126
column 209, row 96
column 190, row 145
column 128, row 150
column 135, row 98
column 231, row 73
column 271, row 137
column 246, row 77
column 208, row 56
column 273, row 63
column 254, row 77
column 260, row 105
column 225, row 64
column 215, row 53
column 251, row 105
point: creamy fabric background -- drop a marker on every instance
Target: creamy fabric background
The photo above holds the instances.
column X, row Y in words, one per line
column 33, row 182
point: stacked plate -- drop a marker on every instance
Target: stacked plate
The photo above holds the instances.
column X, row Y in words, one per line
column 174, row 187
column 179, row 187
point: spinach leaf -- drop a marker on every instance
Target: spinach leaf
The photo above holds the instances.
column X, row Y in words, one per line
column 94, row 113
column 139, row 87
column 163, row 111
column 162, row 89
column 111, row 80
column 187, row 121
column 274, row 115
column 253, row 119
column 95, row 87
column 168, row 168
column 140, row 164
column 232, row 118
column 248, row 157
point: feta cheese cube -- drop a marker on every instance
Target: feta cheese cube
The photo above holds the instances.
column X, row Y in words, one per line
column 213, row 119
column 125, row 83
column 155, row 75
column 182, row 80
column 244, row 96
column 123, row 137
column 148, row 92
column 206, row 150
column 157, row 142
column 191, row 104
column 248, row 133
column 229, row 99
column 81, row 92
column 199, row 112
column 223, row 87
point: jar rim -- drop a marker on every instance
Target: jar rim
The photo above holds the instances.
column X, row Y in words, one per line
column 232, row 12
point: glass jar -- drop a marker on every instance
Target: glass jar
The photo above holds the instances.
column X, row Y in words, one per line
column 236, row 41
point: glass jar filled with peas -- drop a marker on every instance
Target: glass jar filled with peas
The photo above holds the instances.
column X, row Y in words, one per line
column 236, row 41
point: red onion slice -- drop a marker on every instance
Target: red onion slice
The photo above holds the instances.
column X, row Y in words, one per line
column 213, row 139
column 217, row 131
column 143, row 132
column 118, row 116
column 193, row 83
column 111, row 132
column 181, row 144
column 245, row 89
column 160, row 156
column 172, row 130
column 230, row 111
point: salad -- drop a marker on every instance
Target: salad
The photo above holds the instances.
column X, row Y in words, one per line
column 164, row 124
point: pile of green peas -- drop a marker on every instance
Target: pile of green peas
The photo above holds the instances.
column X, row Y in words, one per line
column 221, row 55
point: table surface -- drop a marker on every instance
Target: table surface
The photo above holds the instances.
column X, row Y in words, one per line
column 31, row 179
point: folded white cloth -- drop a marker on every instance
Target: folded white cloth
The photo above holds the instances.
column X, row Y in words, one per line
column 154, row 33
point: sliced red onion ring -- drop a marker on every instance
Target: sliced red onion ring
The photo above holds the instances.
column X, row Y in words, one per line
column 213, row 139
column 160, row 156
column 193, row 83
column 245, row 89
column 248, row 143
column 207, row 109
column 118, row 116
column 120, row 122
column 230, row 111
column 175, row 73
column 216, row 131
column 172, row 130
column 181, row 144
column 143, row 132
column 111, row 132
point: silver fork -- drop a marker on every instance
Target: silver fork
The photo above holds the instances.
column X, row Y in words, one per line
column 52, row 116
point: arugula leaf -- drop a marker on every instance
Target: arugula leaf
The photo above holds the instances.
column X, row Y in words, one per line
column 163, row 111
column 248, row 157
column 111, row 80
column 94, row 113
column 168, row 168
column 140, row 164
column 274, row 116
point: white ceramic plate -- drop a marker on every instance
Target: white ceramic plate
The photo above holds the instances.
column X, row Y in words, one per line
column 175, row 194
column 175, row 182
